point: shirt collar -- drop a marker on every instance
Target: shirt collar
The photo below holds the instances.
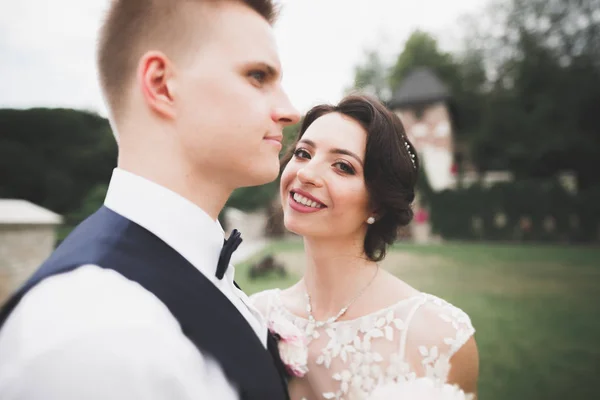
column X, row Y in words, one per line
column 175, row 220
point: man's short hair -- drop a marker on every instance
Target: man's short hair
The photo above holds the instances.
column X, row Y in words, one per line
column 133, row 27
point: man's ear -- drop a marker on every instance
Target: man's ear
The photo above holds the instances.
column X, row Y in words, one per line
column 156, row 80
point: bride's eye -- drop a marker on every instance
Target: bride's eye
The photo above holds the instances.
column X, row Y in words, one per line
column 301, row 153
column 345, row 167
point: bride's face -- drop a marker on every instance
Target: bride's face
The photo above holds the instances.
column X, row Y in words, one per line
column 323, row 190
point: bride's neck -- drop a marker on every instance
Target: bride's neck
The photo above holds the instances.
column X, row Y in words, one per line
column 336, row 271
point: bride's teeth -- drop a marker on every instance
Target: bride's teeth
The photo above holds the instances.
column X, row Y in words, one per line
column 303, row 200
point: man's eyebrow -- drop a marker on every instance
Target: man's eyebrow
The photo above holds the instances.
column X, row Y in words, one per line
column 273, row 72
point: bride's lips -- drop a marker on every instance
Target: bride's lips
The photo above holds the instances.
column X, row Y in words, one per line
column 303, row 208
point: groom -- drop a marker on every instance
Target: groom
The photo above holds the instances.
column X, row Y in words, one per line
column 138, row 302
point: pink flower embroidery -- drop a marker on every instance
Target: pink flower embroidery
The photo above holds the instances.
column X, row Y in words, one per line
column 292, row 345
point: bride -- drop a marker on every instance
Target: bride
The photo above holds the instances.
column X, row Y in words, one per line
column 347, row 187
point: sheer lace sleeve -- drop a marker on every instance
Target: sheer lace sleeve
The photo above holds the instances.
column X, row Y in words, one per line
column 436, row 331
column 263, row 301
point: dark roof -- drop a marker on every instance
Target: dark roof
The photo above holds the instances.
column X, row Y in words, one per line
column 420, row 86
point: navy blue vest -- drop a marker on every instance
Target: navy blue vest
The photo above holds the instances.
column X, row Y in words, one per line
column 206, row 316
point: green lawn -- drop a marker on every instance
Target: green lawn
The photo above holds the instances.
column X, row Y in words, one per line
column 536, row 309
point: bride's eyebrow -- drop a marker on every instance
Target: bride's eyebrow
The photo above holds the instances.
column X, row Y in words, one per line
column 333, row 151
column 308, row 142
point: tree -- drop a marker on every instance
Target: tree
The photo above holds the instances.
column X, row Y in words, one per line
column 53, row 157
column 539, row 117
column 421, row 50
column 372, row 76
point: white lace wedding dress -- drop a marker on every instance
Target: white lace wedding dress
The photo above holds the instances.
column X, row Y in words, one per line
column 347, row 359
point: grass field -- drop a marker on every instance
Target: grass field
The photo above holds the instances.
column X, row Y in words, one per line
column 536, row 309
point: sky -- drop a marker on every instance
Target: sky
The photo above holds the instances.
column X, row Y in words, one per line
column 47, row 48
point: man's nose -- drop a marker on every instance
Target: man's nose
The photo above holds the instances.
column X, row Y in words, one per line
column 285, row 113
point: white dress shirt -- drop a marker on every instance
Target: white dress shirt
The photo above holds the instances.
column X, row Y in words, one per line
column 93, row 334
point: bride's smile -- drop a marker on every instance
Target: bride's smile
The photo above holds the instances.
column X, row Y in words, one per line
column 346, row 188
column 303, row 202
column 324, row 180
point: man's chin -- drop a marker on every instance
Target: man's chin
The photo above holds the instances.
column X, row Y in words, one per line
column 263, row 177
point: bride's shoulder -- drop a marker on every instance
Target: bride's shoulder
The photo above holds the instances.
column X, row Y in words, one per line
column 265, row 294
column 438, row 322
column 436, row 307
column 269, row 299
column 263, row 300
column 287, row 301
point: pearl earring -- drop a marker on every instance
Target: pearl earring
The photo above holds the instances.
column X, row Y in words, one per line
column 370, row 220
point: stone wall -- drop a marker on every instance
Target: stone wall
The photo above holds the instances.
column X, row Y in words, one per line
column 22, row 249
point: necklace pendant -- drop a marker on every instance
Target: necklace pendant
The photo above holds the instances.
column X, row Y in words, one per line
column 318, row 324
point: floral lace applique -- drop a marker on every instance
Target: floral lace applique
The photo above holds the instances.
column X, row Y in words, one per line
column 349, row 359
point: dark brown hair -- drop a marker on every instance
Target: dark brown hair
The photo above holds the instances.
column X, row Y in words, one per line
column 133, row 27
column 389, row 173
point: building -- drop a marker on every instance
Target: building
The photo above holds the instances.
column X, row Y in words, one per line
column 27, row 237
column 421, row 102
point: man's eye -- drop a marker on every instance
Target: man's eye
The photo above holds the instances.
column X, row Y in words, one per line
column 259, row 76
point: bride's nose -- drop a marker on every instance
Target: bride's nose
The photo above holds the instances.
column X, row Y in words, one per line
column 309, row 175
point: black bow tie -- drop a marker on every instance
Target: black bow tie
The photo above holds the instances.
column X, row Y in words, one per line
column 229, row 247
